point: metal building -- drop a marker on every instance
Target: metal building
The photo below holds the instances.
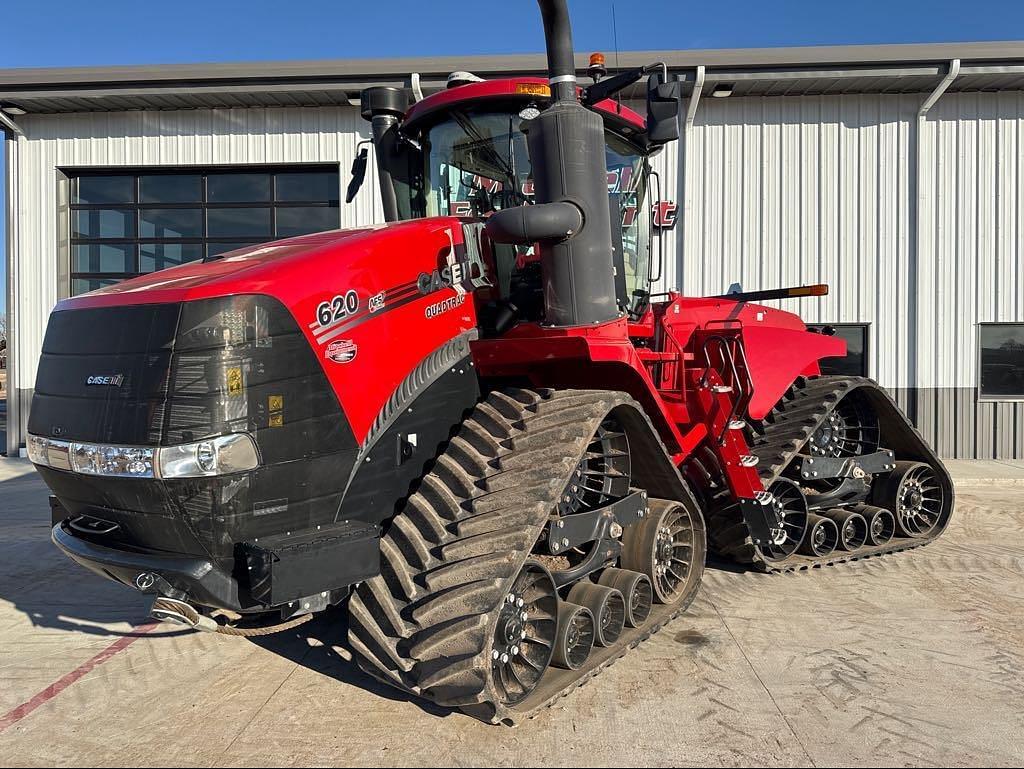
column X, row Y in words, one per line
column 893, row 173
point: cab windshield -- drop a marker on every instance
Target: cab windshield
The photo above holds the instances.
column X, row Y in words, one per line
column 477, row 162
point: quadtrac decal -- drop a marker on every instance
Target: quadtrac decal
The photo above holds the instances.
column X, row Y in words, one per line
column 435, row 309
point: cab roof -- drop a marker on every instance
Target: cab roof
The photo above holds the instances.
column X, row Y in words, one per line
column 524, row 89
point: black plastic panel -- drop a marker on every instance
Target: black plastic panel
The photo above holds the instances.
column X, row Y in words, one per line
column 287, row 567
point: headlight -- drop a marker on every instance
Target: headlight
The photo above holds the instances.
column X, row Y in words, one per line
column 216, row 456
column 119, row 461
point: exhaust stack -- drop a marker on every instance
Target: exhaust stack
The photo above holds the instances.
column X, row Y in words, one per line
column 571, row 218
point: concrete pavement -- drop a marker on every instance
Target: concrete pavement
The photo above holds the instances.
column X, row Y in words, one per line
column 911, row 659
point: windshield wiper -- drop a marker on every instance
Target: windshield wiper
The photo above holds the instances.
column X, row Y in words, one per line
column 471, row 130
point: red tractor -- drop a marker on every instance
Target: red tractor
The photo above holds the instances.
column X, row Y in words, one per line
column 475, row 428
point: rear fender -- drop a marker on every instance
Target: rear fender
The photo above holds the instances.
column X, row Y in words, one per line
column 776, row 357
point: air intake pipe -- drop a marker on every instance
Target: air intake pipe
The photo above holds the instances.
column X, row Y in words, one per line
column 571, row 219
column 384, row 106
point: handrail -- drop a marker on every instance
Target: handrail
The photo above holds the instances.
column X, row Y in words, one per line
column 728, row 350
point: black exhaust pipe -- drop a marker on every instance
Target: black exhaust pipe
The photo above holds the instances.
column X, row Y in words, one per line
column 571, row 218
column 558, row 41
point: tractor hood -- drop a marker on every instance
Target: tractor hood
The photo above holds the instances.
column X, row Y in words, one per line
column 283, row 269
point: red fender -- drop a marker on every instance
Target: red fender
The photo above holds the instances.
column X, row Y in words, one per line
column 777, row 356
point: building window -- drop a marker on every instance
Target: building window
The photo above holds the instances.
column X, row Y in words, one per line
column 1002, row 361
column 856, row 361
column 128, row 223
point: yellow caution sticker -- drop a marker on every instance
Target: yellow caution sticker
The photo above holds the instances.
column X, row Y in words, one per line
column 275, row 405
column 533, row 89
column 234, row 377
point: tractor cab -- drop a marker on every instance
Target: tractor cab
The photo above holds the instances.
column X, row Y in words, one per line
column 463, row 152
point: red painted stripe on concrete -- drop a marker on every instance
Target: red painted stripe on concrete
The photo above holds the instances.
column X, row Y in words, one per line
column 64, row 682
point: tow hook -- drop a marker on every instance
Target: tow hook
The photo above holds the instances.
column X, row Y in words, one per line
column 181, row 613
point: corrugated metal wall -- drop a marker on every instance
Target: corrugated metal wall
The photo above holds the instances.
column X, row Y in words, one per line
column 972, row 254
column 772, row 191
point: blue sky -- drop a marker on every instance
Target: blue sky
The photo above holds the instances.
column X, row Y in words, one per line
column 70, row 32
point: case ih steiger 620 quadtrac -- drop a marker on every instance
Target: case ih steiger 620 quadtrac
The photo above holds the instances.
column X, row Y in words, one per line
column 473, row 427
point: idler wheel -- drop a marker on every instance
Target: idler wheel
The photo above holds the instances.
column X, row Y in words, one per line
column 667, row 546
column 524, row 633
column 791, row 507
column 914, row 493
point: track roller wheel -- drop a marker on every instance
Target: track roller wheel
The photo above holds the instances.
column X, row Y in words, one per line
column 822, row 536
column 668, row 547
column 853, row 528
column 608, row 607
column 881, row 524
column 791, row 506
column 914, row 493
column 524, row 634
column 636, row 590
column 575, row 637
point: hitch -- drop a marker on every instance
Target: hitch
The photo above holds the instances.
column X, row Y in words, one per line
column 180, row 613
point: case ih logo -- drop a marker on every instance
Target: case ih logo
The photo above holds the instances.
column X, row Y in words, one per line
column 112, row 380
column 342, row 351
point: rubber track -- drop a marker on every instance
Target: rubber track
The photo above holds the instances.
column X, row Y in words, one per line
column 776, row 443
column 424, row 624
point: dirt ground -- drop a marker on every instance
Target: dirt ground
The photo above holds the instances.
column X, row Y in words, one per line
column 913, row 659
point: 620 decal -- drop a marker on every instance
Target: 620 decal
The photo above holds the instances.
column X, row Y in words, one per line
column 337, row 308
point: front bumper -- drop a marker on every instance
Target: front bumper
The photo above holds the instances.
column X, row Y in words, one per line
column 183, row 577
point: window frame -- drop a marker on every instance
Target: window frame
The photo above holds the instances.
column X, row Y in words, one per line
column 866, row 326
column 204, row 240
column 979, row 396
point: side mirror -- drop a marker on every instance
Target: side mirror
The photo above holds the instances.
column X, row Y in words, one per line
column 358, row 175
column 662, row 109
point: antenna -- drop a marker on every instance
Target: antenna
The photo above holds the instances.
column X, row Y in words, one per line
column 615, row 42
column 615, row 38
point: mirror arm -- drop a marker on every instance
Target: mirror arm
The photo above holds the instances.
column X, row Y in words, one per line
column 610, row 86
